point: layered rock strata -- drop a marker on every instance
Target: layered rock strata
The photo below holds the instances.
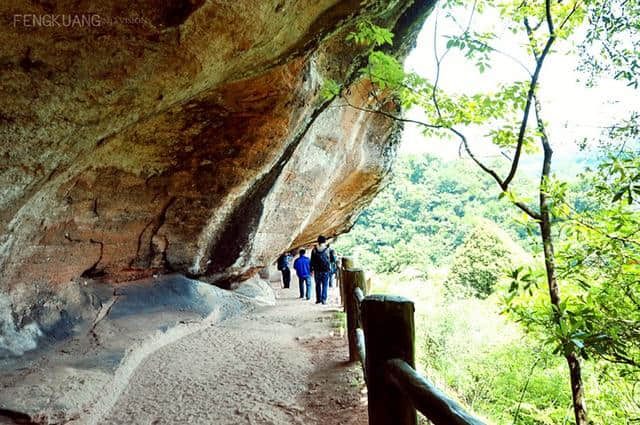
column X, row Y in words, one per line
column 184, row 136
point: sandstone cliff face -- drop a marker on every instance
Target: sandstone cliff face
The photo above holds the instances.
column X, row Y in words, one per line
column 181, row 136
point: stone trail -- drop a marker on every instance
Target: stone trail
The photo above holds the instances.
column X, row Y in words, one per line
column 259, row 368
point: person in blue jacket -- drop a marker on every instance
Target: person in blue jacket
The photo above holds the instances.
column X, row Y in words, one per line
column 303, row 270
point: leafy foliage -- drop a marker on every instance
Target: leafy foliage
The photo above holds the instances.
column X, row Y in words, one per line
column 330, row 89
column 368, row 33
column 612, row 43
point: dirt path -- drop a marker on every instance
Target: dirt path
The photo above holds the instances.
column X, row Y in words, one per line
column 276, row 365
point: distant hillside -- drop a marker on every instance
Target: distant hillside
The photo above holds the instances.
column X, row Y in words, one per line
column 424, row 214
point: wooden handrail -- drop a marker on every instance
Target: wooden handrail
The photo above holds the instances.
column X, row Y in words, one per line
column 381, row 336
column 436, row 406
column 362, row 353
column 359, row 294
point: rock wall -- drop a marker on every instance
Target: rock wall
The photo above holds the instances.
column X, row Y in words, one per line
column 181, row 136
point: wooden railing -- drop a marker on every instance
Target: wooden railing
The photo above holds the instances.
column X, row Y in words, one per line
column 381, row 335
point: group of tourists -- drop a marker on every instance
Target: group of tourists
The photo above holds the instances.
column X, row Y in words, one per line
column 322, row 266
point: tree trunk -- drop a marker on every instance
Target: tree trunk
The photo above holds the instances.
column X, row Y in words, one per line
column 575, row 373
column 577, row 390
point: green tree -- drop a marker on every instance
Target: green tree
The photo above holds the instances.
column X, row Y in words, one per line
column 566, row 322
column 480, row 261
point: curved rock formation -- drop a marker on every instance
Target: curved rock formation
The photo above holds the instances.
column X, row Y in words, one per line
column 181, row 136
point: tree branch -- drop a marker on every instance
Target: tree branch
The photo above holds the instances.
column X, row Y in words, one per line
column 439, row 59
column 525, row 208
column 389, row 115
column 621, row 239
column 547, row 12
column 573, row 10
column 532, row 89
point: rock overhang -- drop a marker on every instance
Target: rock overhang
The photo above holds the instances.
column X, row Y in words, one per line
column 193, row 141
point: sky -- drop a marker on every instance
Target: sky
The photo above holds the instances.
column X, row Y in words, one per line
column 572, row 110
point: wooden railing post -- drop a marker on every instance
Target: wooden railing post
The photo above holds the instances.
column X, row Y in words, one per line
column 353, row 278
column 389, row 334
column 346, row 263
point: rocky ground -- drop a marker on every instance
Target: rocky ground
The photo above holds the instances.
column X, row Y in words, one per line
column 275, row 365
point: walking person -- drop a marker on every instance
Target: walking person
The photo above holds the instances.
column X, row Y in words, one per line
column 303, row 270
column 333, row 260
column 283, row 266
column 321, row 269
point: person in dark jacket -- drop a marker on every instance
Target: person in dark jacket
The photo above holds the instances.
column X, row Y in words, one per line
column 303, row 270
column 333, row 259
column 321, row 269
column 283, row 266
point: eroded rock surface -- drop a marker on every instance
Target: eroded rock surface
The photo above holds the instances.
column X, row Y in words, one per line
column 78, row 380
column 183, row 136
